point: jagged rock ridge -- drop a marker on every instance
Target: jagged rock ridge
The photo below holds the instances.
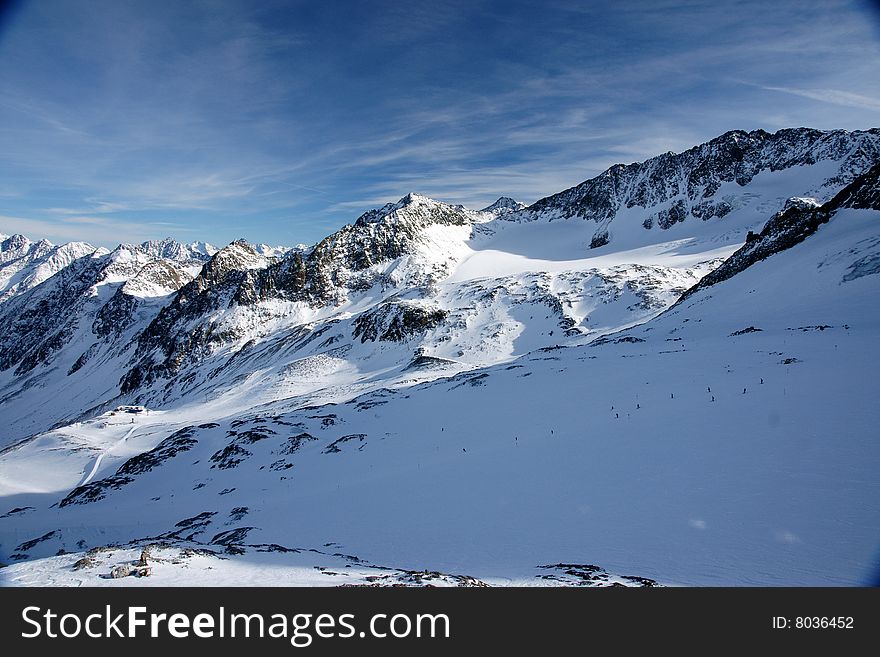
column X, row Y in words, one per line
column 673, row 187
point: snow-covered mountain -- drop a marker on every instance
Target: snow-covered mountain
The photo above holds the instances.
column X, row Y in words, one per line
column 25, row 264
column 711, row 180
column 554, row 410
column 169, row 249
column 504, row 205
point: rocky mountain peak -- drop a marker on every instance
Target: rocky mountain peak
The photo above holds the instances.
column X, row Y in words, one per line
column 504, row 205
column 16, row 241
column 157, row 278
column 413, row 197
column 236, row 256
column 415, row 209
column 171, row 249
column 17, row 246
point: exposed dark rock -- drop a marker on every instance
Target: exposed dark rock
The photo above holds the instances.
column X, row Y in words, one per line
column 189, row 528
column 28, row 545
column 230, row 456
column 333, row 448
column 428, row 363
column 504, row 205
column 327, row 421
column 672, row 215
column 231, row 536
column 601, row 238
column 396, row 322
column 94, row 491
column 85, row 562
column 610, row 339
column 234, row 453
column 34, row 325
column 747, row 329
column 238, row 513
column 200, row 520
column 295, row 443
column 116, row 315
column 83, row 359
column 588, row 575
column 182, row 440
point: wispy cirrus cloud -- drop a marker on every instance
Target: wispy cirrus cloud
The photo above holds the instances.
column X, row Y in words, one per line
column 832, row 96
column 278, row 121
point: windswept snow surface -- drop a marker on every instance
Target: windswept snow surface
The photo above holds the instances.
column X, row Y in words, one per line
column 612, row 453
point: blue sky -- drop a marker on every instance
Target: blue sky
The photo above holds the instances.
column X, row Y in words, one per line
column 281, row 121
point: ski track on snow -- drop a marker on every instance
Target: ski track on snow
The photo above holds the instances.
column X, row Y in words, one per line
column 99, row 459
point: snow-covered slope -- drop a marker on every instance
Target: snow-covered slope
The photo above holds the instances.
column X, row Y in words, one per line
column 474, row 395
